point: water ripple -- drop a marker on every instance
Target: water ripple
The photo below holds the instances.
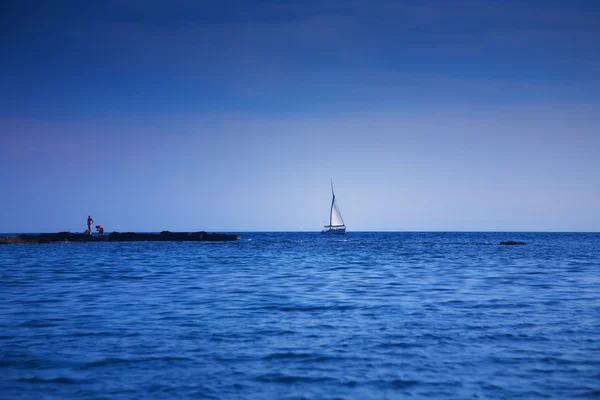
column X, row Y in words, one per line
column 301, row 315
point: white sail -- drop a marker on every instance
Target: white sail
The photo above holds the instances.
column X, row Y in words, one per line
column 336, row 215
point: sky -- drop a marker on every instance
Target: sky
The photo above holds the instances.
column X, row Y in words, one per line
column 234, row 115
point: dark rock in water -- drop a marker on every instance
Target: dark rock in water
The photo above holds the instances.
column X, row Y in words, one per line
column 9, row 239
column 513, row 243
column 165, row 236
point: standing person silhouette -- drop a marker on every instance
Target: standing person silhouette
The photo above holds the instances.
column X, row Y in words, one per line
column 90, row 221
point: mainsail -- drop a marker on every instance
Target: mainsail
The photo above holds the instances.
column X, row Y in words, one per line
column 335, row 216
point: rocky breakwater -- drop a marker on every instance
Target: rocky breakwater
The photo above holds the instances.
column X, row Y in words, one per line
column 165, row 236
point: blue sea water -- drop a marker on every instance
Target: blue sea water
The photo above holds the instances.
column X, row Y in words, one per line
column 304, row 316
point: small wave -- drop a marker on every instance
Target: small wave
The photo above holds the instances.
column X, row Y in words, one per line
column 545, row 371
column 403, row 383
column 274, row 332
column 501, row 306
column 401, row 345
column 62, row 380
column 592, row 394
column 291, row 379
column 117, row 361
column 286, row 355
column 316, row 308
column 39, row 323
column 42, row 301
column 97, row 334
column 6, row 363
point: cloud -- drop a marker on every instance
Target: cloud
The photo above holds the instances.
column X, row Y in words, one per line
column 240, row 137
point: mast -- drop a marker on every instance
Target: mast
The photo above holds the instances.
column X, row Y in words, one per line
column 332, row 202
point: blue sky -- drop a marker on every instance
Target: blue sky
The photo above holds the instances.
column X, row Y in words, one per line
column 234, row 115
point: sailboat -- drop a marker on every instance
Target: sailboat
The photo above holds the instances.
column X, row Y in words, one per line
column 336, row 223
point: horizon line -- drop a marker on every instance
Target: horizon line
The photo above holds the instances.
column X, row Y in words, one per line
column 316, row 231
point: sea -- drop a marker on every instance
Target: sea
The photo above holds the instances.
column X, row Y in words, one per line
column 366, row 315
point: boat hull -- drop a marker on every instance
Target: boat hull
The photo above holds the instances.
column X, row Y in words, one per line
column 334, row 231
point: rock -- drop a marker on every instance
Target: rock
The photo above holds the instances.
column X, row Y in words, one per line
column 164, row 236
column 9, row 239
column 513, row 243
